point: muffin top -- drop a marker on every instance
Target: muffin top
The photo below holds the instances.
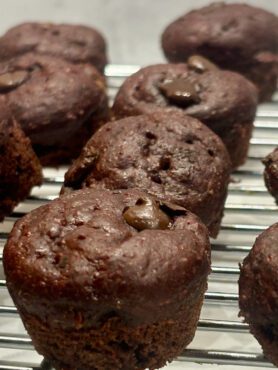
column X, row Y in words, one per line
column 170, row 155
column 97, row 252
column 74, row 43
column 229, row 34
column 198, row 88
column 259, row 279
column 50, row 97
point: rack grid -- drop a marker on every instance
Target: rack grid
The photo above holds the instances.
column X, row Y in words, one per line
column 249, row 210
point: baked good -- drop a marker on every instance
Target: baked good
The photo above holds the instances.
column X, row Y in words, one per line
column 20, row 168
column 236, row 37
column 108, row 279
column 271, row 173
column 258, row 286
column 58, row 104
column 170, row 155
column 225, row 101
column 74, row 43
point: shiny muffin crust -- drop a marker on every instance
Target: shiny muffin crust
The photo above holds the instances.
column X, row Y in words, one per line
column 108, row 279
column 236, row 37
column 225, row 101
column 258, row 286
column 20, row 168
column 58, row 104
column 170, row 155
column 74, row 43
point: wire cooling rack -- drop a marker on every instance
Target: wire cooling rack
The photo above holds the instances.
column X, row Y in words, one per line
column 221, row 338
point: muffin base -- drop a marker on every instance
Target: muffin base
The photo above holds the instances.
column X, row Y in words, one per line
column 64, row 154
column 264, row 76
column 271, row 174
column 267, row 336
column 237, row 141
column 114, row 344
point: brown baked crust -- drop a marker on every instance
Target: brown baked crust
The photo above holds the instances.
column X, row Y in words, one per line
column 20, row 168
column 124, row 347
column 59, row 105
column 169, row 155
column 271, row 173
column 74, row 43
column 222, row 33
column 76, row 266
column 258, row 285
column 227, row 101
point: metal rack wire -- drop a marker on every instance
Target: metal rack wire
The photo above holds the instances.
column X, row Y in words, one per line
column 249, row 210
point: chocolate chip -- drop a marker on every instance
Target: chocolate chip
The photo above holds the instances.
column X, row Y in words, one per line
column 146, row 214
column 11, row 80
column 180, row 91
column 201, row 64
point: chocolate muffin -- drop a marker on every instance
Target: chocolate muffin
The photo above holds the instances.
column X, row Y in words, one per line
column 236, row 37
column 225, row 101
column 170, row 155
column 58, row 104
column 108, row 279
column 258, row 286
column 74, row 43
column 271, row 173
column 20, row 168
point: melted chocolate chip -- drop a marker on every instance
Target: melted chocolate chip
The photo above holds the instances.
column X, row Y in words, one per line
column 11, row 80
column 146, row 214
column 180, row 92
column 201, row 64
